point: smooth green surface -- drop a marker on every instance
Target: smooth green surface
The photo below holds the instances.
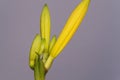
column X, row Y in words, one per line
column 39, row 70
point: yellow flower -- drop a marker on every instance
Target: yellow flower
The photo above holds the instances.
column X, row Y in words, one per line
column 45, row 30
column 35, row 48
column 45, row 25
column 68, row 31
column 41, row 42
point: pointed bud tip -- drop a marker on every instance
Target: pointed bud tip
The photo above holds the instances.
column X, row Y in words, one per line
column 45, row 8
column 45, row 5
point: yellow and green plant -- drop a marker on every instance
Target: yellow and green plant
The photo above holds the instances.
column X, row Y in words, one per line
column 43, row 51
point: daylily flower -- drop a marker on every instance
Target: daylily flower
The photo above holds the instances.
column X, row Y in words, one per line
column 45, row 26
column 45, row 30
column 43, row 50
column 41, row 41
column 34, row 49
column 69, row 30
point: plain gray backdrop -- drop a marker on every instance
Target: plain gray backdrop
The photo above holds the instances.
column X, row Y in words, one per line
column 92, row 54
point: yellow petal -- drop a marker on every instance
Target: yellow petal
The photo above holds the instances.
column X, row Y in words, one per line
column 45, row 25
column 35, row 47
column 70, row 27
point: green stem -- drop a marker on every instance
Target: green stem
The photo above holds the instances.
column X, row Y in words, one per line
column 39, row 70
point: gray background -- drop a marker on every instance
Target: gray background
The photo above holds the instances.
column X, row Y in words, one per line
column 92, row 54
